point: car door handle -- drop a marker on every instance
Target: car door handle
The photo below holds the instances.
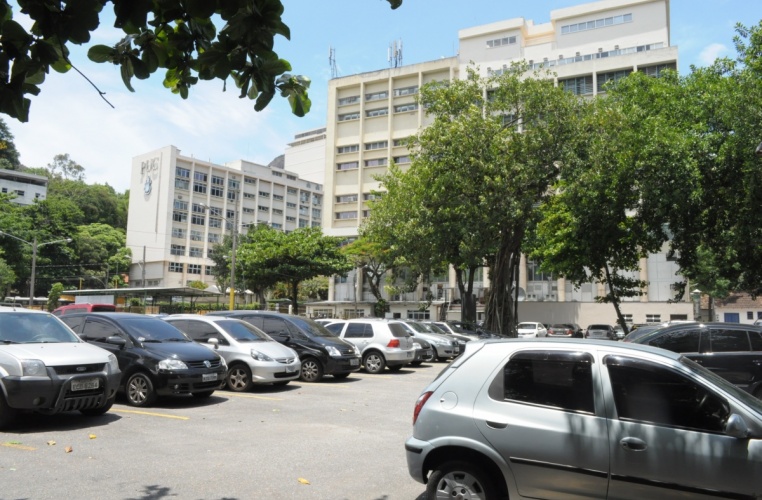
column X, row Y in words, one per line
column 496, row 425
column 633, row 444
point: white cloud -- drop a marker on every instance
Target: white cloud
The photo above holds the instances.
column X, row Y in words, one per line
column 711, row 52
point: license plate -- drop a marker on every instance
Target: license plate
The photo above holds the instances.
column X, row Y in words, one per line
column 354, row 362
column 85, row 384
column 208, row 377
column 410, row 354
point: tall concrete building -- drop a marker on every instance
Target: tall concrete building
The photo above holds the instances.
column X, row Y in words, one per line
column 371, row 114
column 24, row 187
column 180, row 207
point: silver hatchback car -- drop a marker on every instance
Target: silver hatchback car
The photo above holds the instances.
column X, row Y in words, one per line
column 569, row 418
column 382, row 343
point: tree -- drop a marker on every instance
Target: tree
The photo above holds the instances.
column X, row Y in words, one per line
column 102, row 252
column 7, row 278
column 268, row 256
column 9, row 156
column 63, row 167
column 54, row 296
column 179, row 37
column 375, row 260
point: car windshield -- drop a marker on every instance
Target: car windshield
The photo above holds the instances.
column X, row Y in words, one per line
column 148, row 329
column 311, row 328
column 243, row 332
column 32, row 328
column 432, row 328
column 745, row 397
column 417, row 327
column 527, row 326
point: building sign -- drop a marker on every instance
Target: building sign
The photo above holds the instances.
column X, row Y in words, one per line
column 149, row 173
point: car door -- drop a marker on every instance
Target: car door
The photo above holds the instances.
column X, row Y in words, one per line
column 202, row 332
column 667, row 439
column 542, row 412
column 358, row 333
column 730, row 356
column 95, row 331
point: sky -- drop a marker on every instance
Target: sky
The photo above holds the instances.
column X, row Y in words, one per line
column 70, row 117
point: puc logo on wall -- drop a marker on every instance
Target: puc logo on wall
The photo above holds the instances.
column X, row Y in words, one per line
column 149, row 172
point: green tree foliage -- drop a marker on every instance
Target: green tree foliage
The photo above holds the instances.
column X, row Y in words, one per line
column 63, row 167
column 181, row 38
column 54, row 296
column 102, row 253
column 7, row 277
column 268, row 256
column 374, row 260
column 9, row 156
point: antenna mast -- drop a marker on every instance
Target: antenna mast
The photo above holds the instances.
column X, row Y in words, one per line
column 395, row 54
column 332, row 62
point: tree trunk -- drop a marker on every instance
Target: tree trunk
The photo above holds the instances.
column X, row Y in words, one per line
column 295, row 297
column 615, row 299
column 467, row 299
column 502, row 304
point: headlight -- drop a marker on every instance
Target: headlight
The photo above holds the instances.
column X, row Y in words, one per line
column 33, row 368
column 332, row 351
column 223, row 363
column 416, row 345
column 172, row 364
column 113, row 364
column 259, row 356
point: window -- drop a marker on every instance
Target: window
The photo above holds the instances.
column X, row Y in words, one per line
column 198, row 208
column 346, row 215
column 177, row 249
column 726, row 340
column 399, row 142
column 194, row 268
column 178, row 232
column 231, row 195
column 277, row 174
column 290, row 218
column 647, row 392
column 376, row 96
column 582, row 85
column 275, row 225
column 347, row 198
column 183, row 173
column 348, row 149
column 377, row 112
column 264, row 194
column 370, row 146
column 683, row 340
column 350, row 165
column 377, row 162
column 175, row 267
column 180, row 205
column 179, row 216
column 291, row 190
column 316, row 212
column 218, row 181
column 199, row 188
column 290, row 204
column 303, row 223
column 278, row 197
column 613, row 76
column 198, row 220
column 195, row 252
column 401, row 159
column 234, row 184
column 182, row 184
column 653, row 318
column 370, row 196
column 406, row 91
column 497, row 42
column 405, row 107
column 217, row 191
column 343, row 101
column 656, row 71
column 561, row 380
column 598, row 23
column 349, row 116
column 215, row 222
column 213, row 237
column 200, row 176
column 263, row 208
column 277, row 211
column 359, row 331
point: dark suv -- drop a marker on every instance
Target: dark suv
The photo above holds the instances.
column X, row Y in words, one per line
column 155, row 357
column 321, row 352
column 731, row 350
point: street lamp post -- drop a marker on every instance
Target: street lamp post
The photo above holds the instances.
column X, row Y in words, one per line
column 34, row 246
column 696, row 296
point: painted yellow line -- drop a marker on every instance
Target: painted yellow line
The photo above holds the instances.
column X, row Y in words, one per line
column 251, row 396
column 150, row 414
column 18, row 446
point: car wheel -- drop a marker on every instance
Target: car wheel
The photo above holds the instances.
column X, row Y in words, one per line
column 202, row 394
column 7, row 414
column 94, row 412
column 395, row 368
column 139, row 389
column 374, row 362
column 459, row 480
column 340, row 375
column 312, row 370
column 239, row 378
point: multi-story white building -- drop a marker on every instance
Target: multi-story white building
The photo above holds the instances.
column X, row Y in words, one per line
column 371, row 114
column 26, row 187
column 180, row 207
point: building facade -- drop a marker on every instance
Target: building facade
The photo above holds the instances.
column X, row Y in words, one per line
column 371, row 114
column 24, row 188
column 180, row 207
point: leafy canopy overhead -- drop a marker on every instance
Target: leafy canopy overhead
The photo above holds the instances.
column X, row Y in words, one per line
column 179, row 36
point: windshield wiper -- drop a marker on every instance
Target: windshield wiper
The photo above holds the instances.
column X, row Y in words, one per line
column 175, row 339
column 9, row 342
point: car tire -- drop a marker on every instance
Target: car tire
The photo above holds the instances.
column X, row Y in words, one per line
column 459, row 480
column 202, row 394
column 312, row 370
column 238, row 378
column 7, row 414
column 341, row 375
column 95, row 412
column 139, row 390
column 374, row 362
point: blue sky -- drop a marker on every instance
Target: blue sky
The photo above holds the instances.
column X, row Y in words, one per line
column 69, row 116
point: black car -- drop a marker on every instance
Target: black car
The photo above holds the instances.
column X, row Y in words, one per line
column 731, row 350
column 156, row 359
column 321, row 352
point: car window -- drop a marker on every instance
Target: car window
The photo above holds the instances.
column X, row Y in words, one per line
column 358, row 330
column 147, row 329
column 242, row 331
column 417, row 327
column 200, row 331
column 756, row 340
column 335, row 327
column 99, row 330
column 599, row 327
column 308, row 327
column 561, row 380
column 275, row 327
column 398, row 330
column 686, row 340
column 726, row 340
column 646, row 392
column 527, row 326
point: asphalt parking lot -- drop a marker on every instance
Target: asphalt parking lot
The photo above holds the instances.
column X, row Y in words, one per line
column 336, row 439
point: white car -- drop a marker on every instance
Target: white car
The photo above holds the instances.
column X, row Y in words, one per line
column 252, row 356
column 45, row 367
column 532, row 329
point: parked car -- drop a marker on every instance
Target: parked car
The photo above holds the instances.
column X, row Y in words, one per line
column 454, row 329
column 758, row 322
column 600, row 331
column 527, row 329
column 446, row 347
column 87, row 307
column 45, row 367
column 382, row 343
column 572, row 330
column 423, row 352
column 618, row 332
column 321, row 352
column 156, row 358
column 461, row 338
column 641, row 331
column 252, row 356
column 731, row 350
column 567, row 418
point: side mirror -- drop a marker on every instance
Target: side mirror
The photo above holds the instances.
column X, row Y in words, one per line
column 215, row 343
column 736, row 427
column 117, row 341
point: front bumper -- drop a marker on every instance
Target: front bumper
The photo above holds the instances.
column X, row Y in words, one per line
column 189, row 381
column 269, row 372
column 342, row 364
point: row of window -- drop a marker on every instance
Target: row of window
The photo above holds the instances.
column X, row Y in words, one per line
column 371, row 113
column 353, row 198
column 498, row 42
column 583, row 85
column 178, row 267
column 376, row 96
column 598, row 23
column 373, row 162
column 601, row 54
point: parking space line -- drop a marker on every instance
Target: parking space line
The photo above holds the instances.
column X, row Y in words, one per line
column 148, row 413
column 18, row 446
column 252, row 396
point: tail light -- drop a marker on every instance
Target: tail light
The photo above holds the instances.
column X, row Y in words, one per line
column 393, row 343
column 419, row 404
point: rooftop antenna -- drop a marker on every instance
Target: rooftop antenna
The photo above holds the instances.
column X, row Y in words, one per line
column 332, row 62
column 395, row 54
